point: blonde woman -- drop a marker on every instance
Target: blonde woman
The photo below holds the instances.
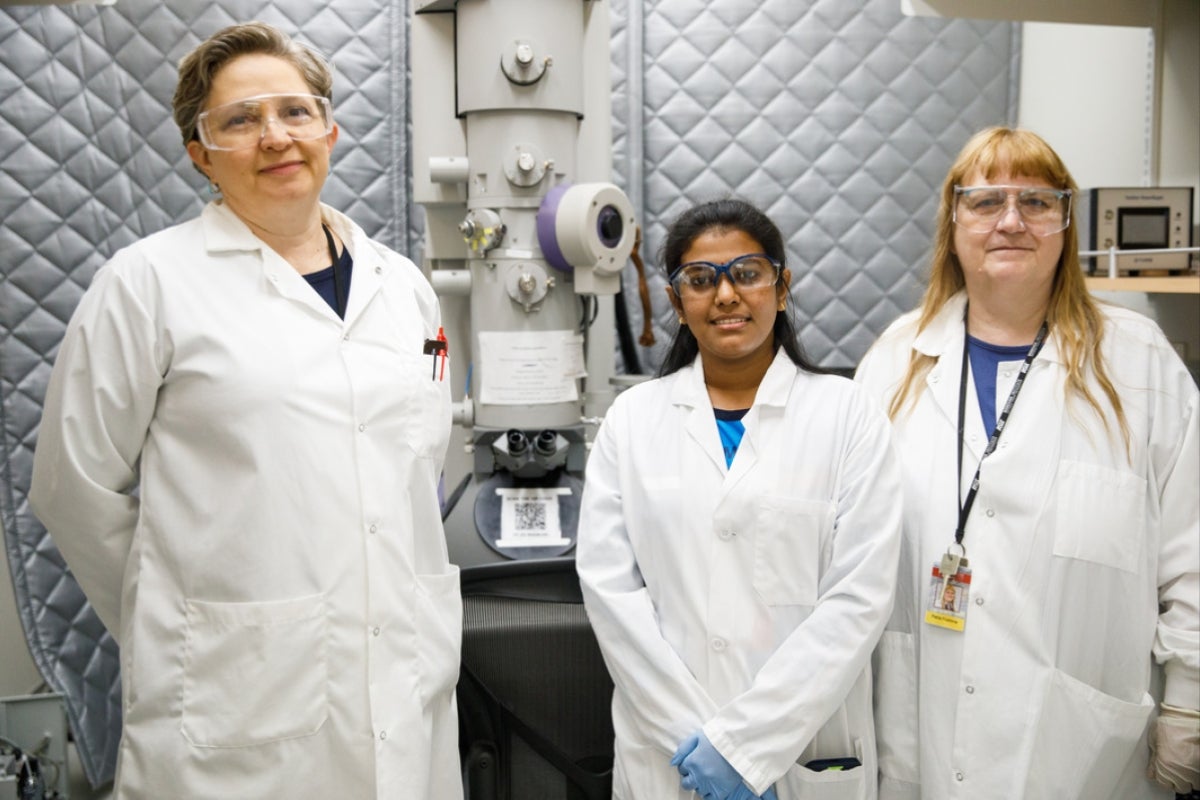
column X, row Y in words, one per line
column 1051, row 462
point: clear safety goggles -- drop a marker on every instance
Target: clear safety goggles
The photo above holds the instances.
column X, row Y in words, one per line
column 243, row 123
column 751, row 271
column 979, row 209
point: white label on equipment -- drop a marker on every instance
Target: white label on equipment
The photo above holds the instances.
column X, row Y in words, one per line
column 530, row 368
column 529, row 517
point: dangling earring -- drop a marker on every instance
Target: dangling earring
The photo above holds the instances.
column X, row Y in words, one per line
column 214, row 187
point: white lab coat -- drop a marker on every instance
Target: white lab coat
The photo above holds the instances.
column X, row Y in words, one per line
column 745, row 600
column 288, row 620
column 1072, row 545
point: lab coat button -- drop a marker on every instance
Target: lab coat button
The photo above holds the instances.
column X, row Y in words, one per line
column 991, row 512
column 374, row 528
column 970, row 690
column 718, row 644
column 345, row 337
column 958, row 776
column 378, row 270
column 725, row 535
column 375, row 631
column 383, row 735
column 978, row 601
column 362, row 427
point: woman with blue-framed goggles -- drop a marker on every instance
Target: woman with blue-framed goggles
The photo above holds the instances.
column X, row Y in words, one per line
column 750, row 271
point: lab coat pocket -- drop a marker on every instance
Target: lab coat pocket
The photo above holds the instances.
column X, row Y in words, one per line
column 255, row 672
column 788, row 538
column 427, row 429
column 802, row 783
column 1101, row 515
column 1084, row 740
column 439, row 631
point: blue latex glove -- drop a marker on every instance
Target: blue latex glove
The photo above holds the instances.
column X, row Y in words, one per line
column 706, row 771
column 742, row 792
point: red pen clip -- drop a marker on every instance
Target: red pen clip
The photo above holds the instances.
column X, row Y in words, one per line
column 441, row 337
column 438, row 348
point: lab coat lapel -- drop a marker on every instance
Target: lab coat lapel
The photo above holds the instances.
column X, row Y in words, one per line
column 700, row 424
column 224, row 232
column 762, row 420
column 943, row 339
column 370, row 265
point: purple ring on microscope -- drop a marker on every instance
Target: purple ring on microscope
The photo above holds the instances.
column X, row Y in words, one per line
column 546, row 216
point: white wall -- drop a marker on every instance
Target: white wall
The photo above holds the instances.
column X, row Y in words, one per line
column 1084, row 90
column 1089, row 90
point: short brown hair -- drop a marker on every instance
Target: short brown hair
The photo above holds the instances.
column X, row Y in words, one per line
column 198, row 68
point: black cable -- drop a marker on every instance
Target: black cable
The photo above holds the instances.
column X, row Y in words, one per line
column 591, row 310
column 625, row 335
column 455, row 496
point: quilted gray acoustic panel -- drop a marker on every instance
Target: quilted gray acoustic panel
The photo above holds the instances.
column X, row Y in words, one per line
column 90, row 161
column 839, row 119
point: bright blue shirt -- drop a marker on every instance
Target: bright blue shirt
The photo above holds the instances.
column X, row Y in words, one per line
column 985, row 360
column 729, row 425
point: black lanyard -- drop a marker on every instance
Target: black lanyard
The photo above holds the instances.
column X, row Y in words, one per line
column 339, row 290
column 964, row 508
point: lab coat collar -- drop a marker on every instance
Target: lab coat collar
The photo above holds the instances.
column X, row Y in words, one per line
column 943, row 339
column 777, row 384
column 944, row 334
column 225, row 231
column 689, row 389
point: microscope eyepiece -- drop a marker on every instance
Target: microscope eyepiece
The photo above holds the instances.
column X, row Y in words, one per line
column 546, row 442
column 517, row 443
column 610, row 227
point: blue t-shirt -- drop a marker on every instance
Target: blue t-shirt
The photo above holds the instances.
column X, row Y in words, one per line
column 985, row 360
column 729, row 425
column 322, row 279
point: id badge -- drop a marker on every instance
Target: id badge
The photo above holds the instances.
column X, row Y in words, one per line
column 947, row 602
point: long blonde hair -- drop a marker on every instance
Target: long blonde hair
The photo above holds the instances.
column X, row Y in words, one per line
column 1073, row 315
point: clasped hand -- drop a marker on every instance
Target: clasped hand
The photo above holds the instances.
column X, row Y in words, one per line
column 705, row 771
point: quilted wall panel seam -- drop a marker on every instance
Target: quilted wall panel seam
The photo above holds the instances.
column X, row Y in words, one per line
column 634, row 121
column 1014, row 76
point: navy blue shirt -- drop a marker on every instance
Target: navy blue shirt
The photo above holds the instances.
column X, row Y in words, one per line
column 985, row 358
column 322, row 280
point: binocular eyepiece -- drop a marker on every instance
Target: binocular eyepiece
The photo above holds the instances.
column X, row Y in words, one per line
column 525, row 458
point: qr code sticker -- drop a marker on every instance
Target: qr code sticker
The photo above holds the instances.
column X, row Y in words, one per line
column 530, row 515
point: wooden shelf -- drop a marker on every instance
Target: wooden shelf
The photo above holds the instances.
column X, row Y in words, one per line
column 1170, row 284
